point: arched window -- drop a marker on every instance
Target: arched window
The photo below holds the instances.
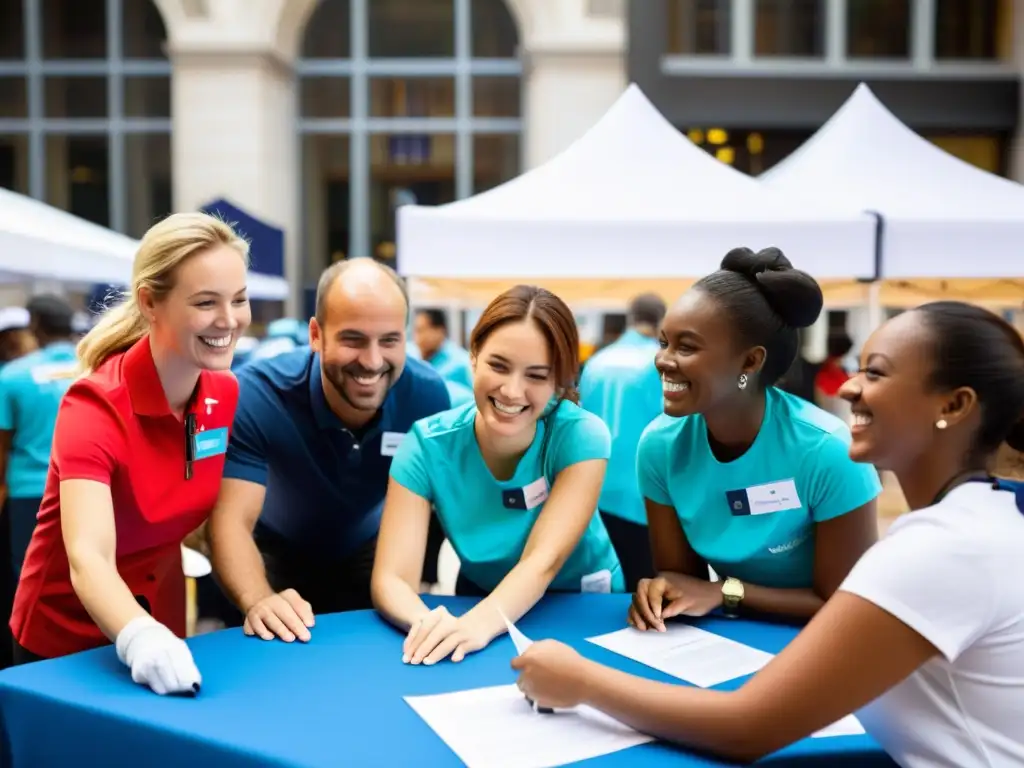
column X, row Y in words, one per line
column 401, row 101
column 85, row 107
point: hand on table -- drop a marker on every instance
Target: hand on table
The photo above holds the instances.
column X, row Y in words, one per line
column 439, row 634
column 666, row 596
column 157, row 657
column 283, row 614
column 551, row 675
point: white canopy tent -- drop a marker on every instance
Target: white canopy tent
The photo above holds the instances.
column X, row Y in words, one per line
column 40, row 242
column 634, row 198
column 943, row 218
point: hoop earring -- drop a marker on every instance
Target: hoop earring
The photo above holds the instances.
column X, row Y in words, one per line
column 941, row 424
column 742, row 383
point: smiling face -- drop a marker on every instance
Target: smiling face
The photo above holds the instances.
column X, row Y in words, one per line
column 206, row 311
column 361, row 342
column 699, row 361
column 512, row 378
column 894, row 408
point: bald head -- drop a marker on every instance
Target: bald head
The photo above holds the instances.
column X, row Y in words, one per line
column 360, row 280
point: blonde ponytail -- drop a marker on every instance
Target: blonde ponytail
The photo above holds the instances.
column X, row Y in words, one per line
column 119, row 328
column 162, row 249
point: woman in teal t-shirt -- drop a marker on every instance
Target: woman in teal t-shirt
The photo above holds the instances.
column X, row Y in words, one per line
column 737, row 474
column 514, row 477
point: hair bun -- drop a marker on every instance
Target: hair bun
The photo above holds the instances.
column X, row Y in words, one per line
column 795, row 296
column 1016, row 437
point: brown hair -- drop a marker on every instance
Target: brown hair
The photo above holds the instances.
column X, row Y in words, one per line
column 555, row 321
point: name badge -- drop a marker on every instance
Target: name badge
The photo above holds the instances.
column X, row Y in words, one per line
column 210, row 442
column 764, row 499
column 599, row 582
column 389, row 443
column 528, row 497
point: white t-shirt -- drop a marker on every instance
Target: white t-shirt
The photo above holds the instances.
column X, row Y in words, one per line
column 954, row 573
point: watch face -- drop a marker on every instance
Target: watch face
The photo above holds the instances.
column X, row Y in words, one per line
column 732, row 589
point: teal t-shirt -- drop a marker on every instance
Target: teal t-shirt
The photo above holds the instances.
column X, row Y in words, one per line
column 452, row 362
column 489, row 521
column 621, row 385
column 753, row 518
column 31, row 389
column 459, row 394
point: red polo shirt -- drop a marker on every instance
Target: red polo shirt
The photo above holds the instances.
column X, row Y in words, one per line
column 115, row 427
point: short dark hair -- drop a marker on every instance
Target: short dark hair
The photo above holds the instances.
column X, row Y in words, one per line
column 972, row 347
column 838, row 344
column 51, row 315
column 339, row 268
column 766, row 300
column 437, row 318
column 647, row 309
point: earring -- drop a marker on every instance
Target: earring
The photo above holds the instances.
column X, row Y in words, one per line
column 742, row 383
column 941, row 424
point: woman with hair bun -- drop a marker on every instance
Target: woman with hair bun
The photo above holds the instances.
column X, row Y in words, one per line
column 514, row 477
column 924, row 640
column 138, row 450
column 737, row 474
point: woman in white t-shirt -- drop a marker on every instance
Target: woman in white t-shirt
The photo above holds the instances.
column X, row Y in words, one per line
column 925, row 638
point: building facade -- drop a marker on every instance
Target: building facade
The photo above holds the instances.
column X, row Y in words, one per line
column 321, row 117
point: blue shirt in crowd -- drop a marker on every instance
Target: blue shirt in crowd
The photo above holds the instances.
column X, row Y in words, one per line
column 753, row 518
column 325, row 483
column 452, row 362
column 31, row 389
column 488, row 521
column 621, row 385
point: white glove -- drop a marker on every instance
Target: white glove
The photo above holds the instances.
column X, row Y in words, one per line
column 157, row 657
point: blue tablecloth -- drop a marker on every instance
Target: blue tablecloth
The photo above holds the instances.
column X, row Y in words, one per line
column 336, row 701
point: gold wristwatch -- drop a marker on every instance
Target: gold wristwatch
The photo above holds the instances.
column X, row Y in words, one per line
column 732, row 596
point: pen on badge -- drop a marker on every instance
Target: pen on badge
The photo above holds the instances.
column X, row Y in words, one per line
column 190, row 448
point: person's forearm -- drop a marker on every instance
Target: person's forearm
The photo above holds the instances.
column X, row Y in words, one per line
column 714, row 721
column 517, row 593
column 103, row 593
column 795, row 603
column 396, row 601
column 238, row 564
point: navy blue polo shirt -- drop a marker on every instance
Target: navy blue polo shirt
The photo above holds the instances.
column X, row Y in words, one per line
column 325, row 483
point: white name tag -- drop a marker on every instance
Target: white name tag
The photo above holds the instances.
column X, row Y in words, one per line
column 773, row 497
column 601, row 581
column 389, row 443
column 536, row 493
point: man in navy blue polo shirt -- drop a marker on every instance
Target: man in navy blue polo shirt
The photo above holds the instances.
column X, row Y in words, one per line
column 295, row 527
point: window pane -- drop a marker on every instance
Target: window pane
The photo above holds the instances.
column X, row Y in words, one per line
column 878, row 29
column 147, row 97
column 325, row 204
column 328, row 33
column 790, row 28
column 14, row 163
column 77, row 177
column 699, row 27
column 147, row 184
column 325, row 97
column 495, row 160
column 12, row 30
column 142, row 32
column 411, row 29
column 74, row 29
column 407, row 169
column 966, row 30
column 494, row 30
column 13, row 97
column 496, row 97
column 82, row 97
column 412, row 97
column 752, row 152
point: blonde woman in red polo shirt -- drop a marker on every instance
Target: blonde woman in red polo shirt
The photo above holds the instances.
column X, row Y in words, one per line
column 137, row 456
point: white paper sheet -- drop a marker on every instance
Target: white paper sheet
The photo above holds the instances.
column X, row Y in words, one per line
column 691, row 654
column 496, row 728
column 848, row 726
column 521, row 641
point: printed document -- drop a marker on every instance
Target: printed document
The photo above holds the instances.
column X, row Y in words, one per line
column 496, row 728
column 694, row 655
